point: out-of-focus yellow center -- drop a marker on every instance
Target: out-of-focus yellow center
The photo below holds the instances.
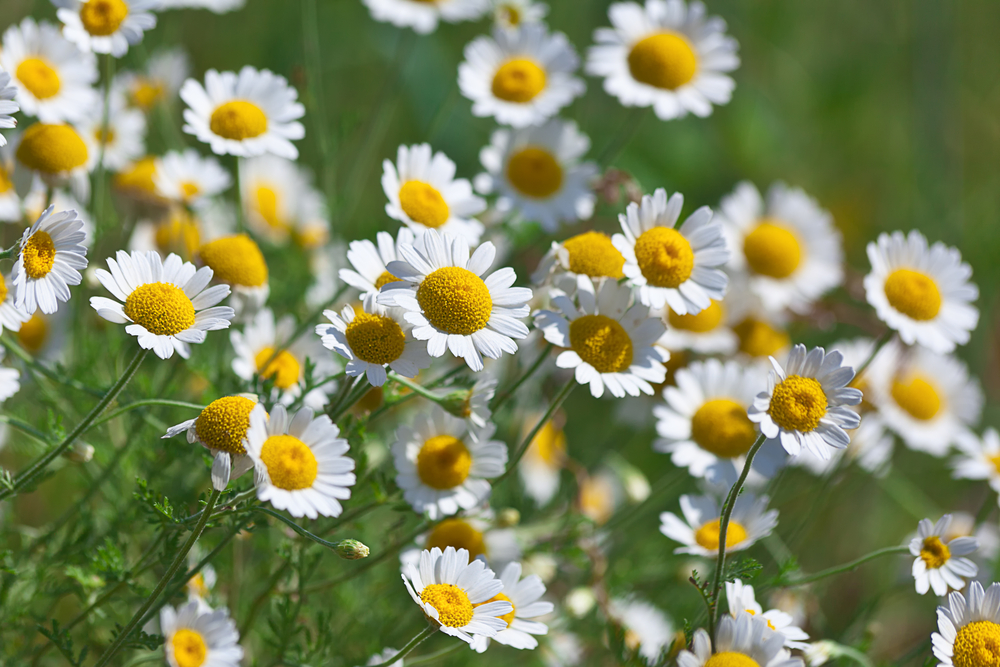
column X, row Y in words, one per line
column 162, row 309
column 455, row 301
column 760, row 339
column 291, row 465
column 147, row 92
column 377, row 339
column 601, row 342
column 223, row 424
column 721, row 426
column 664, row 257
column 33, row 333
column 384, row 279
column 934, row 552
column 189, row 646
column 179, row 233
column 139, row 177
column 3, row 289
column 103, row 17
column 731, row 659
column 236, row 260
column 519, row 80
column 708, row 535
column 549, row 445
column 535, row 172
column 914, row 294
column 772, row 250
column 443, row 462
column 284, row 369
column 457, row 533
column 38, row 254
column 238, row 120
column 451, row 603
column 593, row 254
column 703, row 322
column 918, row 396
column 52, row 149
column 665, row 60
column 39, row 78
column 424, row 204
column 267, row 207
column 798, row 403
column 500, row 597
column 6, row 185
column 977, row 644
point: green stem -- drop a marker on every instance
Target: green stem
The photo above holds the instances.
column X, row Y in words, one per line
column 297, row 528
column 406, row 650
column 370, row 562
column 149, row 401
column 622, row 138
column 415, row 387
column 431, row 657
column 556, row 402
column 25, row 427
column 307, row 323
column 503, row 398
column 846, row 567
column 100, row 177
column 879, row 344
column 240, row 212
column 357, row 392
column 314, row 73
column 24, row 356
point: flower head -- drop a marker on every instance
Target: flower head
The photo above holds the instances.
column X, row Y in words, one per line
column 524, row 595
column 939, row 562
column 741, row 641
column 106, row 26
column 423, row 16
column 369, row 261
column 195, row 635
column 741, row 599
column 188, row 178
column 969, row 628
column 700, row 528
column 51, row 257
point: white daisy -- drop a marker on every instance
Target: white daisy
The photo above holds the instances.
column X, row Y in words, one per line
column 761, row 333
column 676, row 267
column 609, row 343
column 181, row 231
column 10, row 202
column 423, row 16
column 588, row 255
column 987, row 536
column 238, row 261
column 57, row 154
column 11, row 317
column 536, row 171
column 159, row 80
column 164, row 301
column 667, row 55
column 8, row 106
column 939, row 564
column 441, row 467
column 450, row 305
column 647, row 629
column 299, row 462
column 743, row 640
column 106, row 26
column 45, row 336
column 251, row 113
column 922, row 293
column 524, row 594
column 476, row 531
column 979, row 458
column 512, row 14
column 188, row 178
column 740, row 598
column 704, row 333
column 122, row 142
column 475, row 402
column 699, row 530
column 368, row 261
column 969, row 628
column 276, row 193
column 542, row 464
column 50, row 259
column 195, row 635
column 10, row 381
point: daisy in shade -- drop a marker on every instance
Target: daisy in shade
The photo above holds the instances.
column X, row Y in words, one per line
column 163, row 302
column 123, row 140
column 609, row 343
column 106, row 26
column 968, row 628
column 647, row 629
column 676, row 267
column 588, row 255
column 450, row 305
column 524, row 595
column 11, row 317
column 423, row 16
column 246, row 114
column 50, row 259
column 939, row 564
column 537, row 172
column 699, row 530
column 741, row 641
column 159, row 80
column 512, row 14
column 441, row 467
column 424, row 194
column 740, row 598
column 922, row 292
column 300, row 462
column 188, row 178
column 456, row 594
column 978, row 458
column 238, row 261
column 57, row 154
column 807, row 403
column 667, row 55
column 7, row 107
column 476, row 531
column 275, row 193
column 542, row 464
column 195, row 635
column 369, row 261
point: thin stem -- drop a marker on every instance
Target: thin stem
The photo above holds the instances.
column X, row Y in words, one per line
column 406, row 650
column 415, row 387
column 879, row 344
column 846, row 567
column 240, row 212
column 622, row 138
column 358, row 391
column 149, row 401
column 556, row 402
column 25, row 427
column 431, row 657
column 306, row 324
column 99, row 180
column 503, row 398
column 24, row 356
column 370, row 562
column 297, row 528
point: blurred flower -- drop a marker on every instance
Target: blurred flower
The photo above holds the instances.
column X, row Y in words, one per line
column 50, row 259
column 106, row 26
column 10, row 380
column 277, row 195
column 979, row 458
column 218, row 7
column 580, row 601
column 238, row 261
column 188, row 178
column 524, row 594
column 194, row 635
column 939, row 564
column 121, row 142
column 512, row 14
column 647, row 629
column 740, row 598
column 590, row 255
column 968, row 627
column 705, row 333
column 56, row 153
column 11, row 317
column 562, row 649
column 423, row 16
column 600, row 495
column 10, row 202
column 159, row 80
column 543, row 462
column 384, row 656
column 699, row 531
column 743, row 640
column 138, row 181
column 476, row 531
column 369, row 262
column 7, row 107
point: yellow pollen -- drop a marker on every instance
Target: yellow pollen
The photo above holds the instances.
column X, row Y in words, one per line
column 665, row 60
column 6, row 185
column 238, row 120
column 721, row 426
column 549, row 445
column 708, row 535
column 38, row 254
column 760, row 339
column 189, row 647
column 3, row 289
column 705, row 321
column 162, row 309
column 223, row 424
column 457, row 533
column 384, row 279
column 424, row 204
column 914, row 294
column 443, row 462
column 535, row 172
column 179, row 233
column 34, row 333
column 731, row 659
column 197, row 586
column 139, row 177
column 190, row 190
column 455, row 300
column 917, row 396
column 664, row 256
column 267, row 207
column 39, row 78
column 934, row 552
column 500, row 597
column 977, row 645
column 52, row 149
column 236, row 260
column 377, row 339
column 451, row 603
column 995, row 460
column 284, row 369
column 290, row 463
column 103, row 17
column 146, row 93
column 519, row 80
column 601, row 342
column 593, row 254
column 798, row 403
column 772, row 250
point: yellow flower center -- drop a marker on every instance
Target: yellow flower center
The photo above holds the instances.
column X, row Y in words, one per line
column 457, row 533
column 452, row 604
column 597, row 501
column 772, row 250
column 798, row 403
column 223, row 424
column 760, row 339
column 196, row 585
column 189, row 190
column 162, row 309
column 189, row 647
column 917, row 396
column 384, row 279
column 377, row 339
column 424, row 204
column 995, row 460
column 139, row 176
column 500, row 597
column 105, row 136
column 455, row 301
column 267, row 207
column 236, row 260
column 3, row 289
column 914, row 294
column 510, row 15
column 665, row 60
column 284, row 369
column 519, row 80
column 708, row 535
column 664, row 256
column 38, row 254
column 39, row 78
column 146, row 93
column 291, row 465
column 593, row 254
column 5, row 183
column 52, row 149
column 934, row 552
column 103, row 17
column 721, row 426
column 34, row 333
column 731, row 659
column 705, row 321
column 550, row 445
column 601, row 342
column 238, row 120
column 769, row 623
column 179, row 233
column 443, row 462
column 977, row 645
column 535, row 172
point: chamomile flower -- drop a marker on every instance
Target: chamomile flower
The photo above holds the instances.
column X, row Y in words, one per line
column 300, row 462
column 740, row 598
column 676, row 267
column 543, row 462
column 159, row 80
column 238, row 261
column 699, row 530
column 137, row 181
column 525, row 596
column 51, row 257
column 647, row 629
column 939, row 563
column 922, row 292
column 423, row 16
column 806, row 404
column 536, row 171
column 473, row 405
column 441, row 467
column 475, row 531
column 178, row 231
column 609, row 343
column 968, row 628
column 251, row 113
column 760, row 333
column 590, row 255
column 106, row 26
column 368, row 261
column 512, row 14
column 188, row 178
column 122, row 141
column 11, row 317
column 10, row 202
column 704, row 333
column 741, row 641
column 667, row 55
column 978, row 458
column 194, row 634
column 57, row 154
column 275, row 192
column 163, row 302
column 8, row 106
column 450, row 306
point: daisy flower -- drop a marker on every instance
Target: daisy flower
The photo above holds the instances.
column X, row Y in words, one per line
column 647, row 629
column 50, row 259
column 600, row 496
column 238, row 261
column 299, row 462
column 106, row 26
column 979, row 458
column 10, row 202
column 524, row 595
column 476, row 532
column 609, row 343
column 939, row 564
column 543, row 462
column 195, row 635
column 275, row 192
column 760, row 333
column 536, row 171
column 743, row 640
column 188, row 178
column 368, row 261
column 667, row 55
column 11, row 317
column 164, row 302
column 472, row 405
column 512, row 14
column 8, row 106
column 807, row 402
column 423, row 16
column 10, row 380
column 922, row 292
column 704, row 333
column 123, row 140
column 385, row 656
column 968, row 628
column 159, row 81
column 57, row 154
column 450, row 305
column 441, row 467
column 699, row 530
column 740, row 598
column 424, row 194
column 590, row 255
column 136, row 181
column 251, row 113
column 179, row 231
column 676, row 267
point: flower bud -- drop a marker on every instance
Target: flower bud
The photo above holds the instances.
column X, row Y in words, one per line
column 456, row 403
column 351, row 550
column 80, row 452
column 508, row 518
column 580, row 601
